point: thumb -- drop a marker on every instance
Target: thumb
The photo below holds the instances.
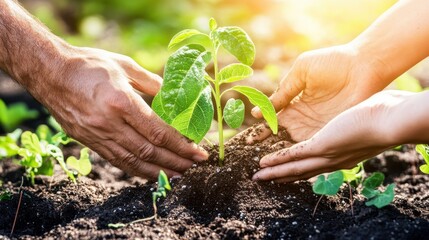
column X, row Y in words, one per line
column 289, row 88
column 147, row 82
column 142, row 79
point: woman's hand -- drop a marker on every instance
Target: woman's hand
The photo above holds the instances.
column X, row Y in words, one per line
column 385, row 120
column 320, row 85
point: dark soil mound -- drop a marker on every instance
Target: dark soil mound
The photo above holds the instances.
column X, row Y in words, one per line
column 212, row 202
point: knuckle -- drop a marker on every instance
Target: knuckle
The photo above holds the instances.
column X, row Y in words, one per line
column 118, row 101
column 147, row 152
column 158, row 136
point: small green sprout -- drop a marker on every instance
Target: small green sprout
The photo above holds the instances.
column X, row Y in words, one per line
column 423, row 149
column 8, row 144
column 376, row 197
column 161, row 191
column 369, row 187
column 14, row 114
column 38, row 155
column 329, row 186
column 5, row 195
column 185, row 98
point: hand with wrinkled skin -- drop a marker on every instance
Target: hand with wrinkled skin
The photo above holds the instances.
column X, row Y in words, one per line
column 90, row 93
column 387, row 119
column 100, row 109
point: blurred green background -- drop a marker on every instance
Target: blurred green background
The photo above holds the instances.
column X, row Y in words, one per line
column 281, row 29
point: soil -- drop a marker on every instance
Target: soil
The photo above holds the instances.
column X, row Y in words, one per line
column 212, row 202
column 208, row 202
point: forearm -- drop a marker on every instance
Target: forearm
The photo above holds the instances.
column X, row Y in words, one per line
column 397, row 40
column 29, row 53
column 408, row 121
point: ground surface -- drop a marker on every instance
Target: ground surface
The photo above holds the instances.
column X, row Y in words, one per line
column 211, row 202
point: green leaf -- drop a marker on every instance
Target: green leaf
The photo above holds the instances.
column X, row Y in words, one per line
column 61, row 138
column 374, row 181
column 423, row 149
column 31, row 142
column 183, row 85
column 29, row 158
column 44, row 133
column 163, row 180
column 195, row 121
column 351, row 175
column 15, row 114
column 5, row 195
column 369, row 192
column 212, row 24
column 235, row 72
column 384, row 198
column 329, row 186
column 233, row 113
column 56, row 153
column 83, row 165
column 236, row 41
column 47, row 168
column 424, row 168
column 189, row 36
column 259, row 99
column 8, row 145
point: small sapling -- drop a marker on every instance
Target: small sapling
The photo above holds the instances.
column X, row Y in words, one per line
column 185, row 98
column 14, row 114
column 423, row 149
column 368, row 187
column 161, row 191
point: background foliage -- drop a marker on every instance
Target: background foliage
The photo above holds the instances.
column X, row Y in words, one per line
column 141, row 29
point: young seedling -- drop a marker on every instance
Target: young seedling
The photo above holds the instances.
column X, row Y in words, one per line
column 423, row 149
column 376, row 197
column 8, row 144
column 161, row 191
column 15, row 114
column 184, row 100
column 354, row 177
column 38, row 152
column 329, row 186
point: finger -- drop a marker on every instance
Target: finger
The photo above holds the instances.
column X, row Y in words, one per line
column 258, row 133
column 142, row 79
column 298, row 151
column 289, row 88
column 147, row 152
column 305, row 176
column 281, row 145
column 124, row 160
column 156, row 131
column 291, row 169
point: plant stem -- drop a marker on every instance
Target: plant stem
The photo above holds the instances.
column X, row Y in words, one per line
column 218, row 109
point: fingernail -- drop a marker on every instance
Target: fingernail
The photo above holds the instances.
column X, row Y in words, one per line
column 202, row 155
column 255, row 111
column 255, row 177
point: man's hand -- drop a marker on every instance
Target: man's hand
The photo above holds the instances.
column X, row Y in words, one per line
column 95, row 103
column 90, row 93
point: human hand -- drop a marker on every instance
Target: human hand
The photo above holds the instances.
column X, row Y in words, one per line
column 94, row 101
column 321, row 84
column 359, row 133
